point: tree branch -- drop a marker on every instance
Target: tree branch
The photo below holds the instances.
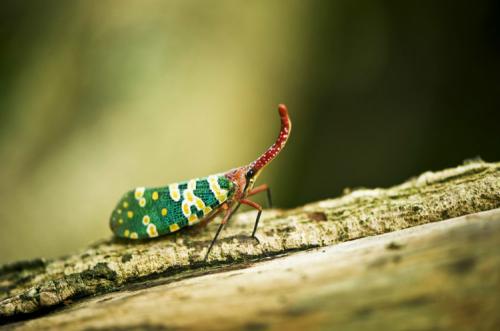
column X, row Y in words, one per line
column 28, row 287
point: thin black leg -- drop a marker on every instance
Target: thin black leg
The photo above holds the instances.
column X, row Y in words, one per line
column 269, row 200
column 224, row 221
column 213, row 241
column 256, row 224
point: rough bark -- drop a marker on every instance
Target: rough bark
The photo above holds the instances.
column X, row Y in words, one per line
column 33, row 286
column 440, row 276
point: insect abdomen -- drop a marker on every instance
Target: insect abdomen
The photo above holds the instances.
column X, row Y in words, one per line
column 151, row 212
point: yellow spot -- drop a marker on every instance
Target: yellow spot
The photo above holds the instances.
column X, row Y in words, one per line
column 164, row 212
column 119, row 211
column 146, row 219
column 125, row 204
column 126, row 233
column 192, row 219
column 139, row 192
column 199, row 204
column 152, row 230
column 221, row 196
column 174, row 227
column 154, row 196
column 134, row 235
column 219, row 193
column 185, row 209
column 130, row 214
column 207, row 210
column 142, row 202
column 189, row 196
column 120, row 221
column 175, row 194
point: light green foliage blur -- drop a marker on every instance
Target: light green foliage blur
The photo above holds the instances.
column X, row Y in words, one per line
column 98, row 97
column 115, row 95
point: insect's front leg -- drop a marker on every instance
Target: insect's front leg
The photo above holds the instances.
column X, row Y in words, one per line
column 258, row 189
column 259, row 208
column 228, row 212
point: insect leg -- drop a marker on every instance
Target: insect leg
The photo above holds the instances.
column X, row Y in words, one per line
column 227, row 215
column 261, row 188
column 256, row 190
column 259, row 208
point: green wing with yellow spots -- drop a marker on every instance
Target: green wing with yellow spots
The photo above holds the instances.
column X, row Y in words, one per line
column 151, row 212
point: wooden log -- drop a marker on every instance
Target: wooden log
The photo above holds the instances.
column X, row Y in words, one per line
column 112, row 265
column 439, row 276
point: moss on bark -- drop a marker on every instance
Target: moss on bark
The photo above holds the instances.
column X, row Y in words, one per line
column 28, row 287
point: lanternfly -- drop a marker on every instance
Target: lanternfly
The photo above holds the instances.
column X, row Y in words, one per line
column 151, row 212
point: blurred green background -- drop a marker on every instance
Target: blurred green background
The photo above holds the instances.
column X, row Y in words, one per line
column 97, row 97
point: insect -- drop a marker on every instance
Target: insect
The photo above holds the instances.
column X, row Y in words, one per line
column 151, row 212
